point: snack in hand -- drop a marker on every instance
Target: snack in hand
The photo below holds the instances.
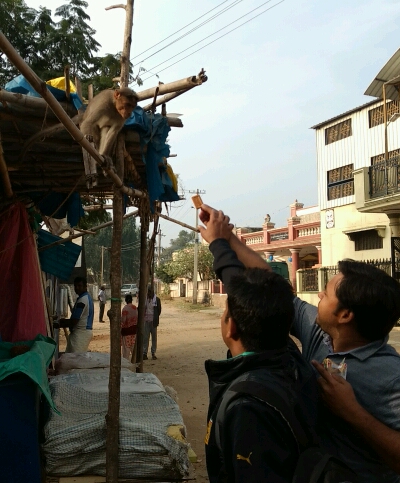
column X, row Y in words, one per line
column 337, row 369
column 197, row 201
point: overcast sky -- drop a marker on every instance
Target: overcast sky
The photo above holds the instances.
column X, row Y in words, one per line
column 246, row 139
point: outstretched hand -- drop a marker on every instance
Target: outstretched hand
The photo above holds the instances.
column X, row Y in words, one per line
column 217, row 224
column 337, row 393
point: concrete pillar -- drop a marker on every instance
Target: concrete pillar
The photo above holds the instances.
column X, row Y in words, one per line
column 394, row 223
column 319, row 248
column 295, row 266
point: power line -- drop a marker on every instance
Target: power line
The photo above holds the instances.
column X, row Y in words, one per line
column 177, row 31
column 236, row 2
column 183, row 58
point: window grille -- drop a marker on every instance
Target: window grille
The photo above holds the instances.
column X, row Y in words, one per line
column 337, row 132
column 375, row 116
column 367, row 240
column 340, row 182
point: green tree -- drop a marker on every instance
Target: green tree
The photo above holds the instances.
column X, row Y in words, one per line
column 75, row 38
column 184, row 238
column 17, row 22
column 182, row 264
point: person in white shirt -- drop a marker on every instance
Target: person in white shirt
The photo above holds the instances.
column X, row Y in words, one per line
column 102, row 302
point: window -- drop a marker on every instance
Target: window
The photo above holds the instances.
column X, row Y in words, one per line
column 367, row 240
column 338, row 132
column 380, row 158
column 375, row 116
column 340, row 182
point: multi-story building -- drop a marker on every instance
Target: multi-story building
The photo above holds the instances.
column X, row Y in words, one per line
column 298, row 243
column 358, row 157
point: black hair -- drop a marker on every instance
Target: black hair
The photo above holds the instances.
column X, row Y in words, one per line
column 261, row 304
column 128, row 298
column 373, row 297
column 80, row 279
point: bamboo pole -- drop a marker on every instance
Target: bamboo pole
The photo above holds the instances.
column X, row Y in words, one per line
column 4, row 174
column 178, row 222
column 67, row 83
column 41, row 87
column 182, row 84
column 144, row 273
column 114, row 383
column 165, row 99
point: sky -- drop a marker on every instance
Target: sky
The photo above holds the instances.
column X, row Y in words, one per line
column 246, row 139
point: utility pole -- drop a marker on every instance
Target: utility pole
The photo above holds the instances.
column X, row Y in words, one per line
column 102, row 265
column 196, row 248
column 159, row 246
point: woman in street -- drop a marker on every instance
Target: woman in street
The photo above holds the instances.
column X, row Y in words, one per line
column 129, row 321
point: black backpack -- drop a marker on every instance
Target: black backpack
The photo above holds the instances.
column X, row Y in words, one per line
column 314, row 465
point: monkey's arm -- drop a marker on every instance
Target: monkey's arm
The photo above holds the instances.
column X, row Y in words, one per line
column 108, row 137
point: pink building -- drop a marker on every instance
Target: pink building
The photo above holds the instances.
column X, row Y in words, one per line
column 298, row 243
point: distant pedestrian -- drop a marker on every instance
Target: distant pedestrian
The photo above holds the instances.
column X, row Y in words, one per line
column 129, row 321
column 151, row 321
column 102, row 302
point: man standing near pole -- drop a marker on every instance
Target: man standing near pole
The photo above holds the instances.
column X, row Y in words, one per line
column 102, row 302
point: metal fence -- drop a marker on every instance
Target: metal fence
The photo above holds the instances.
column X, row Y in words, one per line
column 384, row 177
column 309, row 279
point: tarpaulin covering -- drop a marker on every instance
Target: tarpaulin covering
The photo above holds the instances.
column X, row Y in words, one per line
column 22, row 309
column 20, row 85
column 33, row 363
column 58, row 260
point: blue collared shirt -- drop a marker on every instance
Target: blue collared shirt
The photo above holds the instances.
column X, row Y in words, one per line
column 373, row 371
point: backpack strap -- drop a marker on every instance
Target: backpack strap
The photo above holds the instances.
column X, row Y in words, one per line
column 274, row 397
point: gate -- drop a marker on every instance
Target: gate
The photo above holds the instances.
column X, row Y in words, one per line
column 395, row 248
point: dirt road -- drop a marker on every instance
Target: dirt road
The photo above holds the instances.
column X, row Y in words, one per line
column 186, row 338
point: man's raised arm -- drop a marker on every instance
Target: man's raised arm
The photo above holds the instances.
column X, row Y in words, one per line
column 218, row 226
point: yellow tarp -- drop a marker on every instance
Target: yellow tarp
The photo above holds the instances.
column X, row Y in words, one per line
column 59, row 83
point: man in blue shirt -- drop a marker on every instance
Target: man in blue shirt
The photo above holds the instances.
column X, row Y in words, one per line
column 81, row 322
column 360, row 421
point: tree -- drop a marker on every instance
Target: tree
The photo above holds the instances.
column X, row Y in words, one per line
column 182, row 264
column 78, row 43
column 184, row 238
column 45, row 45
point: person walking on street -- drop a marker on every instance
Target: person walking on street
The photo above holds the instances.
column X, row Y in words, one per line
column 129, row 319
column 102, row 302
column 151, row 321
column 81, row 322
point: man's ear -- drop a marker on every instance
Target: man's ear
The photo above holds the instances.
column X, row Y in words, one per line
column 345, row 316
column 231, row 329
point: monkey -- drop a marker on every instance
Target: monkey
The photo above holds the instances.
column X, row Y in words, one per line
column 105, row 116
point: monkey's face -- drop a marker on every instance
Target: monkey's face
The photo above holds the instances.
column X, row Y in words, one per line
column 125, row 106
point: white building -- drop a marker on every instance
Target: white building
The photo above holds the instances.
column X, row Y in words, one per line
column 358, row 185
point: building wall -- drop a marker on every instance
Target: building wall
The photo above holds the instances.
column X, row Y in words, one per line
column 357, row 149
column 336, row 244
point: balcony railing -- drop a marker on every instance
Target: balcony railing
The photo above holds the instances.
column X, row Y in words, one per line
column 384, row 177
column 314, row 279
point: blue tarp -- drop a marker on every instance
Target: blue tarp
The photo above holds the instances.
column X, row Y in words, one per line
column 59, row 260
column 21, row 86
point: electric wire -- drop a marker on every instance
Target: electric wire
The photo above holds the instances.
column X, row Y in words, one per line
column 236, row 2
column 177, row 31
column 220, row 37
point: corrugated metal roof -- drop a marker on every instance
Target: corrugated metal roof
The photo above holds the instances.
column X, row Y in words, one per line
column 345, row 114
column 388, row 72
column 59, row 260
